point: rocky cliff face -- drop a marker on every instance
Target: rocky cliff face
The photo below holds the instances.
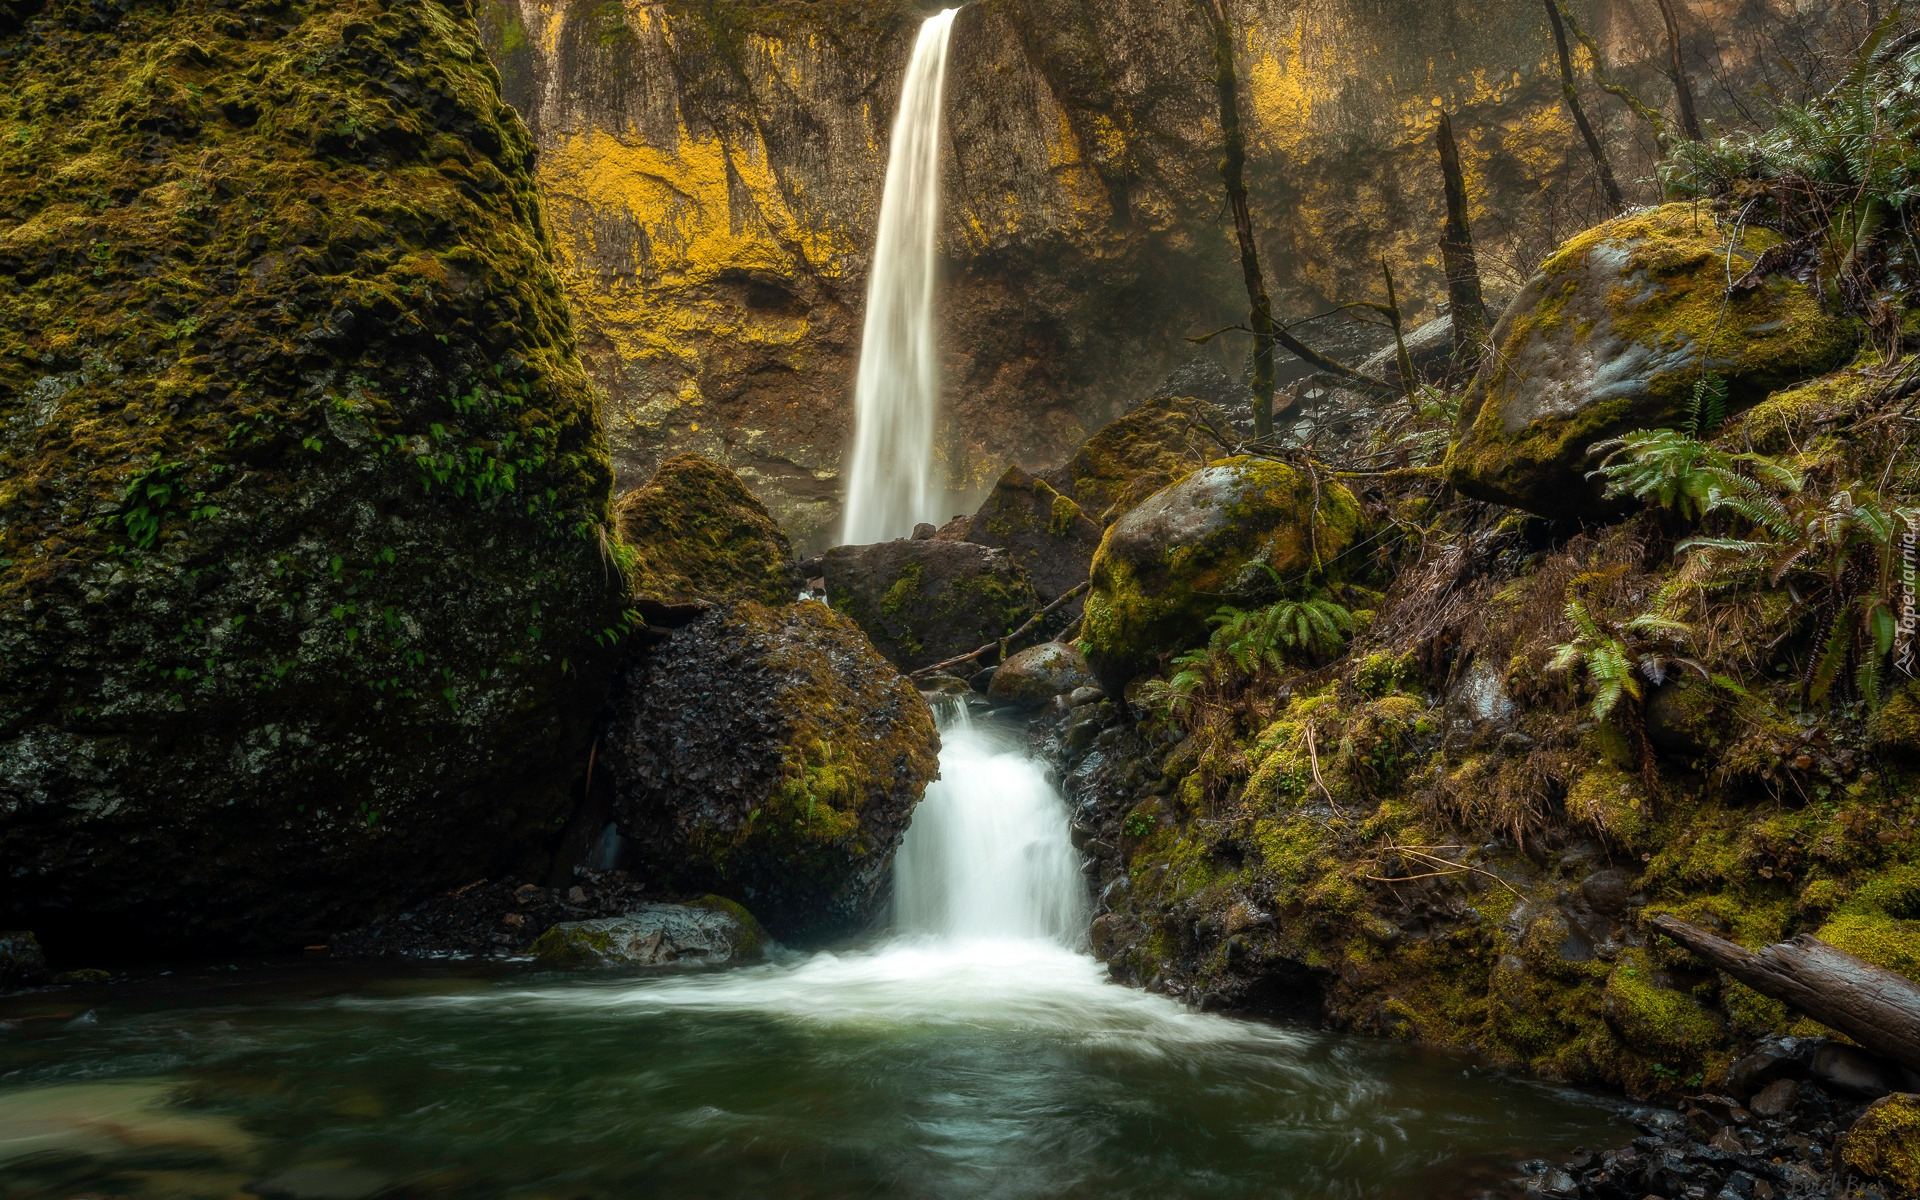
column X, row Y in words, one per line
column 714, row 170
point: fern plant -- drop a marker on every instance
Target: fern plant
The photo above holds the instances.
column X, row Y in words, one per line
column 1616, row 657
column 1678, row 471
column 1248, row 642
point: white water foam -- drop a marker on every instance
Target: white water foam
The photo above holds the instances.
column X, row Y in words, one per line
column 890, row 484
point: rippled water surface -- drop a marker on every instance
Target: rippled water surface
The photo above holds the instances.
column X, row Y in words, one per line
column 942, row 1062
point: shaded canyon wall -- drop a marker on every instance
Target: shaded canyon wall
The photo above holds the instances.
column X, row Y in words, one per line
column 713, row 170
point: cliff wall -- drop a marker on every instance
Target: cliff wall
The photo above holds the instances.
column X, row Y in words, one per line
column 714, row 168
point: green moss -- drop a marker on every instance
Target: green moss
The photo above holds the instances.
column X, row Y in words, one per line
column 1614, row 803
column 754, row 942
column 1881, row 940
column 1651, row 284
column 695, row 532
column 1657, row 1021
column 1151, row 596
column 1884, row 1144
column 572, row 945
column 1895, row 728
column 303, row 492
column 1157, row 443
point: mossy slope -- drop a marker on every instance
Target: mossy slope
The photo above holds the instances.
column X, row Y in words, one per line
column 300, row 475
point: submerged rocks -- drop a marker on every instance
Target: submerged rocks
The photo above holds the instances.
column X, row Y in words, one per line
column 772, row 756
column 927, row 600
column 1219, row 536
column 22, row 963
column 698, row 534
column 302, row 483
column 1043, row 531
column 708, row 932
column 1036, row 675
column 1613, row 334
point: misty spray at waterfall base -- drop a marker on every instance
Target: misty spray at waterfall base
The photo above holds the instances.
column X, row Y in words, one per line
column 890, row 474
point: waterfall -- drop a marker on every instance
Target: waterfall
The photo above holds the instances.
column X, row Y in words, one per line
column 989, row 853
column 890, row 485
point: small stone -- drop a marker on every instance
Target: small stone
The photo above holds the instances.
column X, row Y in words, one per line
column 514, row 919
column 1776, row 1100
column 527, row 893
column 576, row 895
column 1084, row 695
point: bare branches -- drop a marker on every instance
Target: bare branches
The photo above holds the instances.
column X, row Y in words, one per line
column 1571, row 95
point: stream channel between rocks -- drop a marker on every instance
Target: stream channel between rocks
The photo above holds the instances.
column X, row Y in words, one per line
column 972, row 1050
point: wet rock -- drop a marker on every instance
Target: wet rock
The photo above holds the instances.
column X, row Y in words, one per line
column 1479, row 710
column 1852, row 1071
column 1612, row 335
column 22, row 963
column 1607, row 891
column 1776, row 1099
column 1090, row 694
column 1685, row 717
column 928, row 601
column 697, row 534
column 1034, row 676
column 300, row 617
column 772, row 756
column 1043, row 531
column 1216, row 537
column 1429, row 345
column 707, row 932
column 1772, row 1057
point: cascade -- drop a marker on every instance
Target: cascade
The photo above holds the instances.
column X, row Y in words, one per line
column 989, row 853
column 890, row 484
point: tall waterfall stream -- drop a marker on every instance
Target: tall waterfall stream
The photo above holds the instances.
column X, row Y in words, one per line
column 890, row 477
column 973, row 1051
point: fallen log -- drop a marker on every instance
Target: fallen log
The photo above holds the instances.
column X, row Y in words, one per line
column 1878, row 1008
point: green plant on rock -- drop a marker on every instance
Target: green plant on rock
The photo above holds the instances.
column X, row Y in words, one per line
column 1839, row 177
column 1677, row 471
column 1618, row 655
column 1248, row 642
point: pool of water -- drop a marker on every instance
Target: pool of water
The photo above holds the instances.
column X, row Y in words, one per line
column 975, row 1052
column 923, row 1068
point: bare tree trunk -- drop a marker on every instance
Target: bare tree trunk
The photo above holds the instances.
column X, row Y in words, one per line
column 1646, row 112
column 1233, row 164
column 1456, row 256
column 1401, row 358
column 1875, row 1007
column 1571, row 94
column 1683, row 90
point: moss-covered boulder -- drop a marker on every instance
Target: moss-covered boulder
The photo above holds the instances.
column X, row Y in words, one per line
column 769, row 755
column 1037, row 674
column 927, row 600
column 1132, row 457
column 1208, row 540
column 1884, row 1144
column 1613, row 333
column 708, row 932
column 696, row 533
column 301, row 480
column 1045, row 532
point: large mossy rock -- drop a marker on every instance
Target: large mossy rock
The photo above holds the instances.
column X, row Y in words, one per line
column 1173, row 560
column 708, row 932
column 301, row 481
column 697, row 533
column 771, row 756
column 927, row 600
column 1136, row 455
column 1043, row 531
column 1612, row 334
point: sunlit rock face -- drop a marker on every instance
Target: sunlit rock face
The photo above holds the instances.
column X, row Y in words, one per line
column 713, row 173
